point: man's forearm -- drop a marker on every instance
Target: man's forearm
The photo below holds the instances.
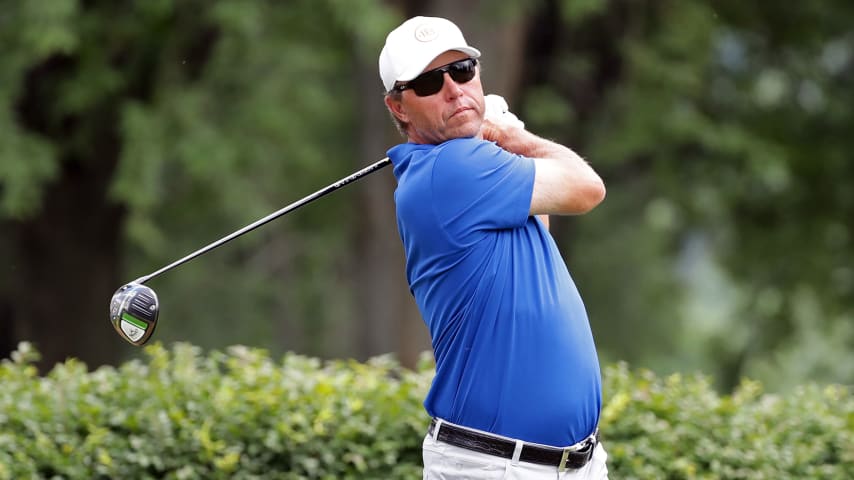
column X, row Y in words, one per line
column 523, row 142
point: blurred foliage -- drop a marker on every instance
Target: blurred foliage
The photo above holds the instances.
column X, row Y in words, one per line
column 721, row 129
column 225, row 114
column 241, row 130
column 723, row 132
column 181, row 414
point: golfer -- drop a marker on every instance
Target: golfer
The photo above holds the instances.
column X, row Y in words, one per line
column 517, row 390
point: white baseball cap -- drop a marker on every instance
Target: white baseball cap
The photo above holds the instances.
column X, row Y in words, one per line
column 410, row 47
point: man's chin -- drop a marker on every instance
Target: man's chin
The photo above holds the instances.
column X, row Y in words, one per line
column 466, row 130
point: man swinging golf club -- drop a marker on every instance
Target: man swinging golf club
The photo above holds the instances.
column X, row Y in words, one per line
column 517, row 390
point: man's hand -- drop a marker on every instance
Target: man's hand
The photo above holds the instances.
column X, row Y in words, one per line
column 498, row 121
column 497, row 111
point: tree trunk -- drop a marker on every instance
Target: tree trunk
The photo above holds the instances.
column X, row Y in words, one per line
column 65, row 273
column 63, row 262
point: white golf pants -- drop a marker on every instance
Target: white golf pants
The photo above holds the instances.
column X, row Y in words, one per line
column 448, row 462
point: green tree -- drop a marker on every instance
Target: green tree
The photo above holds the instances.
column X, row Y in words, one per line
column 132, row 133
column 721, row 130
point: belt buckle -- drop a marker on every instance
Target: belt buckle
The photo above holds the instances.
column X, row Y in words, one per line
column 587, row 445
column 566, row 451
column 562, row 465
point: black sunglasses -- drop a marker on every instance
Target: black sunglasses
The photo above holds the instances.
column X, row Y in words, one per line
column 429, row 83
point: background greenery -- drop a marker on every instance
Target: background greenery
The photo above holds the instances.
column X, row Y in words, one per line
column 134, row 132
column 181, row 414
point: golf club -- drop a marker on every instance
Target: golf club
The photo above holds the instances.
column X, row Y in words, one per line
column 134, row 308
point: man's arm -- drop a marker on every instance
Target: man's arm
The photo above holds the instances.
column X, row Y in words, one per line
column 564, row 184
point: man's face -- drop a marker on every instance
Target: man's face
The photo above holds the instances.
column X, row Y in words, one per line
column 455, row 111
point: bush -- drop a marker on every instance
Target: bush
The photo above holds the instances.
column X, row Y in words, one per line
column 180, row 414
column 679, row 428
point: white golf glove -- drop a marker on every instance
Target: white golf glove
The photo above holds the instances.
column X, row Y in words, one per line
column 498, row 112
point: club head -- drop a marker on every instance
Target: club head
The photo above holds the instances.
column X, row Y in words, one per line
column 133, row 312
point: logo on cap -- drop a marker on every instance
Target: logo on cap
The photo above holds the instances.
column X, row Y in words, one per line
column 426, row 33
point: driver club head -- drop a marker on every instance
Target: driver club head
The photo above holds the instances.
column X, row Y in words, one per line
column 133, row 312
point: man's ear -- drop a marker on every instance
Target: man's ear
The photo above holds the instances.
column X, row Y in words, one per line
column 396, row 108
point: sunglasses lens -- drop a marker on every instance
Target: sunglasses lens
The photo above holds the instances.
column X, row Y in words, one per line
column 431, row 82
column 462, row 72
column 428, row 83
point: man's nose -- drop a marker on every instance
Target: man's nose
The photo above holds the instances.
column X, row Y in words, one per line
column 451, row 88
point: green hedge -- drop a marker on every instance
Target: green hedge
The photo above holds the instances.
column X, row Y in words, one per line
column 182, row 414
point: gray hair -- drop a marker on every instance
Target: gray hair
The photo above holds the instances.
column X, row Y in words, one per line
column 402, row 126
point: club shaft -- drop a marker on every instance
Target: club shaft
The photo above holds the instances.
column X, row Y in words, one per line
column 278, row 213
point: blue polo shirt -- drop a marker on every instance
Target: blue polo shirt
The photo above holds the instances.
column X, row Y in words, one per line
column 513, row 347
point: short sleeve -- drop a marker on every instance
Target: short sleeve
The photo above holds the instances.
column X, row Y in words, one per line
column 479, row 186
